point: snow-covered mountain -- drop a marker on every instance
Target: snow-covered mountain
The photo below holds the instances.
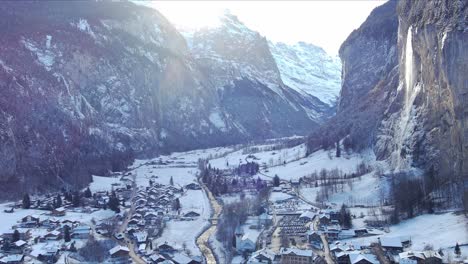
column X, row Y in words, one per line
column 231, row 52
column 88, row 86
column 309, row 70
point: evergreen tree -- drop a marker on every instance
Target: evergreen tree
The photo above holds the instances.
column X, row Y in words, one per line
column 87, row 193
column 176, row 204
column 73, row 247
column 58, row 201
column 66, row 233
column 26, row 201
column 114, row 203
column 338, row 149
column 345, row 217
column 171, row 181
column 457, row 250
column 76, row 199
column 16, row 236
column 276, row 181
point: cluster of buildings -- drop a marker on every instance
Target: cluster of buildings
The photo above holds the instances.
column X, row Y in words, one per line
column 41, row 238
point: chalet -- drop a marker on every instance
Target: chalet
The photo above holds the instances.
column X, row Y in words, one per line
column 165, row 248
column 156, row 258
column 307, row 216
column 20, row 244
column 25, row 234
column 53, row 235
column 262, row 256
column 361, row 232
column 191, row 214
column 245, row 242
column 141, row 237
column 119, row 252
column 324, row 219
column 314, row 238
column 346, row 233
column 179, row 258
column 332, row 232
column 49, row 255
column 69, row 223
column 419, row 257
column 391, row 243
column 12, row 259
column 58, row 211
column 50, row 223
column 30, row 221
column 81, row 232
column 360, row 258
column 296, row 256
column 192, row 186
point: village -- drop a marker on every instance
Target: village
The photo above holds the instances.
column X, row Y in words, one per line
column 158, row 211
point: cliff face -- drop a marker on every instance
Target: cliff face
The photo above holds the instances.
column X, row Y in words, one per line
column 405, row 85
column 430, row 128
column 369, row 78
column 86, row 87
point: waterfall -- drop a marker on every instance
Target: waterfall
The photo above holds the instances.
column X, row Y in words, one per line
column 406, row 123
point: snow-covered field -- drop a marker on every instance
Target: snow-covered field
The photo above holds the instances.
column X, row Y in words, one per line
column 103, row 183
column 437, row 230
column 366, row 190
column 178, row 233
column 289, row 163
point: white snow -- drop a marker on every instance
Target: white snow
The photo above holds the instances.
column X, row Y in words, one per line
column 438, row 230
column 44, row 56
column 176, row 232
column 101, row 183
column 217, row 120
column 308, row 69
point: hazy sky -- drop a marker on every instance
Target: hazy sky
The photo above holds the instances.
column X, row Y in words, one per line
column 323, row 23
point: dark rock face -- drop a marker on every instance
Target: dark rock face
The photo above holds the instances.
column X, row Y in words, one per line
column 369, row 79
column 405, row 87
column 430, row 128
column 88, row 86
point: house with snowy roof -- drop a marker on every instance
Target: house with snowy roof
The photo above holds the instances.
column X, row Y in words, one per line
column 262, row 256
column 119, row 252
column 245, row 242
column 391, row 243
column 296, row 256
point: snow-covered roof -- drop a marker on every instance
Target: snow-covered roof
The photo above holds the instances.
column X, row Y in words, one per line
column 249, row 236
column 118, row 248
column 391, row 242
column 355, row 258
column 12, row 258
column 307, row 214
column 181, row 258
column 296, row 251
column 141, row 236
column 20, row 243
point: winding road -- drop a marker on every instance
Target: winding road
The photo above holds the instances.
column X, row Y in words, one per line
column 203, row 240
